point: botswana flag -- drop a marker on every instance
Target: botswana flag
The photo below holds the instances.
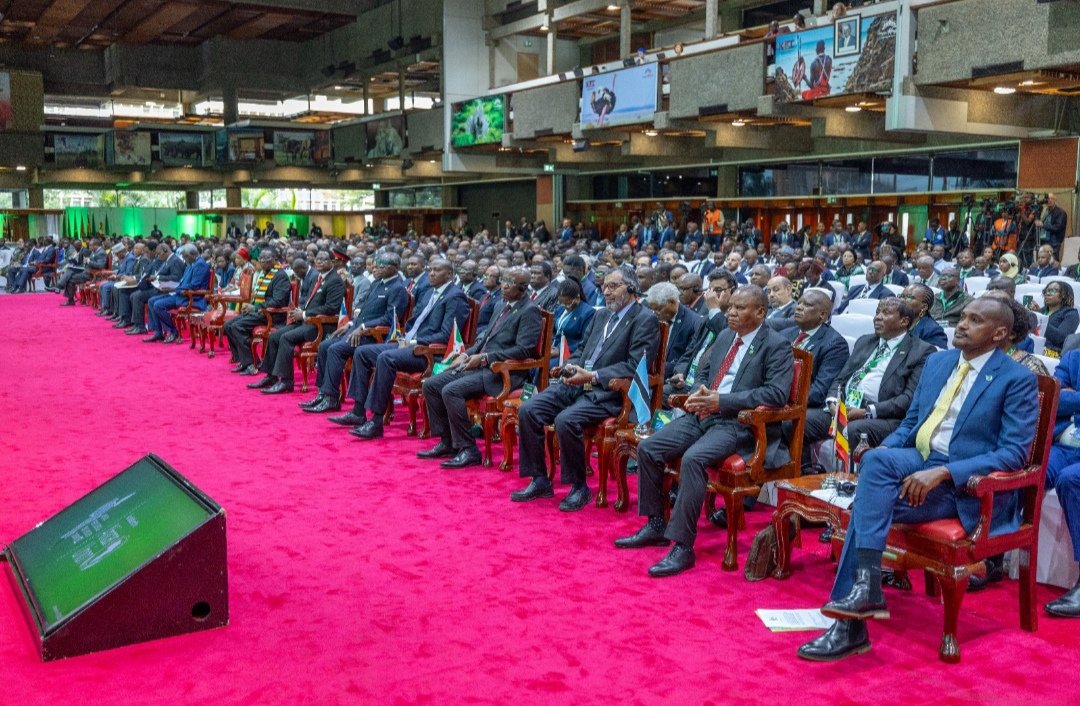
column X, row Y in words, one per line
column 639, row 392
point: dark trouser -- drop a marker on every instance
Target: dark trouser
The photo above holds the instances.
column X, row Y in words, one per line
column 374, row 369
column 139, row 302
column 64, row 277
column 699, row 444
column 75, row 280
column 1063, row 474
column 571, row 411
column 280, row 349
column 22, row 276
column 161, row 321
column 446, row 395
column 330, row 362
column 877, row 506
column 106, row 292
column 238, row 334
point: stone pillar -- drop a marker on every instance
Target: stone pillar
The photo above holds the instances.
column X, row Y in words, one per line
column 35, row 197
column 624, row 31
column 230, row 112
column 191, row 199
column 232, row 197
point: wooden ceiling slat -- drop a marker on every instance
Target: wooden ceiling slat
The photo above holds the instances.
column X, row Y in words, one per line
column 155, row 24
column 56, row 18
column 259, row 26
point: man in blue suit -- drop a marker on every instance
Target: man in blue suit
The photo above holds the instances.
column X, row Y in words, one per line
column 971, row 414
column 196, row 277
column 1063, row 469
column 170, row 268
column 873, row 289
column 375, row 366
column 385, row 304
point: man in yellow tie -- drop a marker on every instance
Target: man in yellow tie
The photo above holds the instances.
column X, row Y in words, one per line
column 973, row 412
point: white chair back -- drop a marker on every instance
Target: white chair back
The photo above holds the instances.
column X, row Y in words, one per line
column 866, row 307
column 850, row 343
column 856, row 280
column 854, row 325
column 949, row 331
column 975, row 285
column 1030, row 290
column 896, row 289
column 1050, row 363
column 1040, row 344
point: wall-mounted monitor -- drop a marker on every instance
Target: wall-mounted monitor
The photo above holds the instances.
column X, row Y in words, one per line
column 621, row 97
column 478, row 122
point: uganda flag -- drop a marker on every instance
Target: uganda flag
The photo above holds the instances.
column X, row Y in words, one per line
column 839, row 431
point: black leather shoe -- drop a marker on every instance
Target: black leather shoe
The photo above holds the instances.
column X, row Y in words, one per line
column 278, row 388
column 156, row 338
column 443, row 449
column 136, row 331
column 539, row 487
column 844, row 639
column 325, row 405
column 1068, row 606
column 647, row 536
column 68, row 303
column 312, row 402
column 678, row 560
column 719, row 517
column 260, row 384
column 864, row 601
column 578, row 498
column 249, row 371
column 995, row 572
column 238, row 369
column 349, row 419
column 371, row 429
column 121, row 324
column 826, row 536
column 171, row 338
column 464, row 459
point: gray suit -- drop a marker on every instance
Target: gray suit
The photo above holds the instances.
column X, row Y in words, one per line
column 763, row 378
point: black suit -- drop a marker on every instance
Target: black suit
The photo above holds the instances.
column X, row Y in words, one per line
column 323, row 301
column 573, row 408
column 894, row 395
column 171, row 270
column 830, row 353
column 782, row 318
column 880, row 291
column 94, row 264
column 513, row 335
column 707, row 330
column 548, row 297
column 762, row 378
column 680, row 336
column 239, row 330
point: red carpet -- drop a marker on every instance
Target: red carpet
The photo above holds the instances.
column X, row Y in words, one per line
column 361, row 575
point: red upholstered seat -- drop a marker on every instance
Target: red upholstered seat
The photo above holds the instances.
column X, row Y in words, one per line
column 261, row 331
column 734, row 464
column 949, row 530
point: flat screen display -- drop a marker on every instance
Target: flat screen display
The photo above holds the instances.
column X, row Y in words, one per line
column 478, row 122
column 77, row 555
column 619, row 97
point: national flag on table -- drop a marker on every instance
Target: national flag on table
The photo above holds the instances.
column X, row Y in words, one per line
column 343, row 313
column 395, row 333
column 639, row 393
column 564, row 351
column 454, row 344
column 839, row 432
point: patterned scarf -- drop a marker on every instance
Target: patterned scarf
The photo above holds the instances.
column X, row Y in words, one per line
column 262, row 283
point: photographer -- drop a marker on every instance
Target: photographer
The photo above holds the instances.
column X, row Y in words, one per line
column 1053, row 222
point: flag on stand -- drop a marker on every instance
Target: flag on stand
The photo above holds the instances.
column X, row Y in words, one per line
column 839, row 432
column 454, row 345
column 639, row 393
column 564, row 351
column 395, row 333
column 343, row 313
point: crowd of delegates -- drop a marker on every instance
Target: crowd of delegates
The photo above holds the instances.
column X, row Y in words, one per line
column 735, row 308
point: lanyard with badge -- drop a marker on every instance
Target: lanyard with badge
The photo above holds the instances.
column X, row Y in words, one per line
column 609, row 329
column 853, row 395
column 692, row 372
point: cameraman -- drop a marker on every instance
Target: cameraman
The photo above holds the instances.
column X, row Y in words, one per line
column 1053, row 222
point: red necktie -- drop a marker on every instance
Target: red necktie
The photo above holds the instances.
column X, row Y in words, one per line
column 800, row 338
column 318, row 283
column 726, row 363
column 532, row 297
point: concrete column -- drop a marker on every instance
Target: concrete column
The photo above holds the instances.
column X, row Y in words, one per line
column 551, row 49
column 727, row 182
column 35, row 197
column 191, row 199
column 230, row 112
column 232, row 197
column 711, row 19
column 625, row 20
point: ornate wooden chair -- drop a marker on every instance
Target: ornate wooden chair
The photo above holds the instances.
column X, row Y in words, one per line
column 409, row 385
column 211, row 325
column 601, row 437
column 44, row 271
column 948, row 555
column 310, row 350
column 379, row 334
column 87, row 292
column 183, row 315
column 261, row 334
column 736, row 478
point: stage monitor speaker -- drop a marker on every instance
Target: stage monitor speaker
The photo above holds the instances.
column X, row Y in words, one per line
column 140, row 557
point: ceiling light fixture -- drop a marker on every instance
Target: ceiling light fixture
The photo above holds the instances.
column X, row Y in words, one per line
column 739, row 122
column 853, row 109
column 613, row 8
column 651, row 133
column 1004, row 90
column 20, row 168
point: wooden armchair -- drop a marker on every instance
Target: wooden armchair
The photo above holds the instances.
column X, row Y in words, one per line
column 736, row 478
column 489, row 409
column 261, row 334
column 602, row 437
column 87, row 292
column 948, row 555
column 183, row 315
column 409, row 385
column 310, row 350
column 44, row 271
column 211, row 325
column 379, row 334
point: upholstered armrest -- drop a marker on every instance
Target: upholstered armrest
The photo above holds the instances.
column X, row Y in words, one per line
column 505, row 367
column 997, row 482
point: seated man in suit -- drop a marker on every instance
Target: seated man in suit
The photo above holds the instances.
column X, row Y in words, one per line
column 327, row 294
column 545, row 289
column 24, row 265
column 618, row 336
column 663, row 299
column 468, row 280
column 96, row 261
column 873, row 289
column 376, row 365
column 170, row 268
column 951, row 301
column 749, row 365
column 813, row 334
column 270, row 289
column 781, row 303
column 921, row 298
column 385, row 304
column 124, row 253
column 1063, row 470
column 690, row 288
column 718, row 300
column 196, row 277
column 513, row 335
column 877, row 382
column 145, row 265
column 971, row 414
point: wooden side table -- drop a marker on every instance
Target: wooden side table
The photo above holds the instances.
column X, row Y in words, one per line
column 793, row 499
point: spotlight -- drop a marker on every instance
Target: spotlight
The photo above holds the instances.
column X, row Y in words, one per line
column 1004, row 90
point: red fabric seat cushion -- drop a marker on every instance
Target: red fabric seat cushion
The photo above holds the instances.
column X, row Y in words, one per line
column 734, row 464
column 947, row 530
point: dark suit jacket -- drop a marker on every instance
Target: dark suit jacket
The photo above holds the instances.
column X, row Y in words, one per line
column 763, row 379
column 637, row 334
column 196, row 277
column 307, row 283
column 574, row 326
column 96, row 261
column 680, row 335
column 993, row 431
column 781, row 319
column 930, row 331
column 451, row 306
column 897, row 277
column 901, row 375
column 420, row 287
column 879, row 292
column 487, row 309
column 326, row 300
column 382, row 302
column 476, row 290
column 172, row 269
column 516, row 338
column 830, row 353
column 707, row 331
column 548, row 297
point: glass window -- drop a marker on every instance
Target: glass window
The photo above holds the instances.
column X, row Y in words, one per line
column 901, row 174
column 849, row 176
column 975, row 169
column 779, row 180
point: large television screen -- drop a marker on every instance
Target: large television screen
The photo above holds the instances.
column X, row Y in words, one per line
column 385, row 137
column 478, row 122
column 293, row 148
column 78, row 554
column 177, row 149
column 619, row 97
column 852, row 55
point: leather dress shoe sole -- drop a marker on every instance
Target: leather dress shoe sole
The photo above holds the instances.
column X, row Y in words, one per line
column 844, row 614
column 821, row 648
column 644, row 537
column 673, row 564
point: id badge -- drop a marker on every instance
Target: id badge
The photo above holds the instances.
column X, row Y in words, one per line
column 402, row 343
column 855, row 398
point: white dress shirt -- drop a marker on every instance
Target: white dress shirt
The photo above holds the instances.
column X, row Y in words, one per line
column 729, row 377
column 942, row 436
